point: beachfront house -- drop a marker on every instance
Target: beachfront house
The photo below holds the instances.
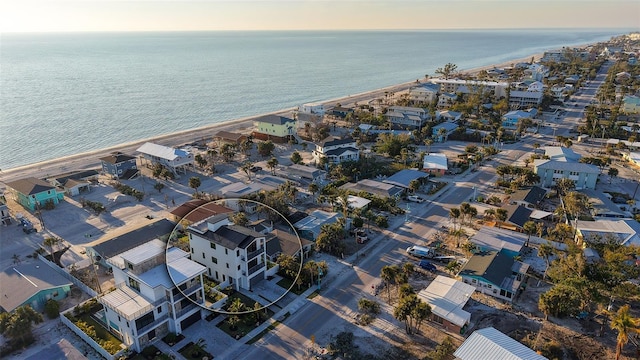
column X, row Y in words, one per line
column 158, row 291
column 32, row 284
column 76, row 182
column 424, row 94
column 454, row 86
column 336, row 150
column 33, row 193
column 176, row 160
column 234, row 255
column 119, row 165
column 277, row 128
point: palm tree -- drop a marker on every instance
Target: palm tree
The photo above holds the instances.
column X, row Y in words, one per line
column 272, row 164
column 17, row 325
column 388, row 275
column 454, row 215
column 529, row 227
column 545, row 251
column 314, row 188
column 194, row 183
column 428, row 142
column 246, row 168
column 501, row 216
column 52, row 242
column 624, row 324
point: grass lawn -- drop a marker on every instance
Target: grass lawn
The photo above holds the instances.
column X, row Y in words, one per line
column 101, row 332
column 193, row 351
column 245, row 325
column 286, row 283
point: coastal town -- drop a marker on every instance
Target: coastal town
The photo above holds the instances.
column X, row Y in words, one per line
column 466, row 215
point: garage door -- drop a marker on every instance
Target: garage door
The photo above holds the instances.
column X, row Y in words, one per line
column 184, row 324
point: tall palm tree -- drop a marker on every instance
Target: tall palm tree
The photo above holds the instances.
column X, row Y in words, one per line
column 454, row 215
column 624, row 324
column 529, row 227
column 52, row 242
column 388, row 275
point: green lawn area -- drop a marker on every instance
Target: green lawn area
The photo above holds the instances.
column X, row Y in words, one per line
column 247, row 321
column 193, row 351
column 150, row 352
column 101, row 332
column 286, row 283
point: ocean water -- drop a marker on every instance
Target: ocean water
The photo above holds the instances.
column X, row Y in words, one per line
column 62, row 94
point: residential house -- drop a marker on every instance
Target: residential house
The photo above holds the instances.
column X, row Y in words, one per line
column 310, row 226
column 511, row 119
column 374, row 187
column 310, row 173
column 443, row 135
column 622, row 231
column 631, row 104
column 446, row 99
column 274, row 127
column 424, row 94
column 435, row 164
column 158, row 291
column 561, row 153
column 313, row 108
column 403, row 178
column 336, row 150
column 584, row 176
column 31, row 283
column 341, row 111
column 112, row 245
column 234, row 255
column 447, row 298
column 572, row 79
column 559, row 92
column 63, row 349
column 494, row 273
column 76, row 182
column 602, row 207
column 517, row 216
column 33, row 193
column 525, row 99
column 196, row 210
column 407, row 117
column 283, row 242
column 491, row 238
column 119, row 165
column 448, row 115
column 536, row 72
column 553, row 56
column 358, row 203
column 531, row 197
column 489, row 343
column 176, row 160
column 238, row 190
column 228, row 137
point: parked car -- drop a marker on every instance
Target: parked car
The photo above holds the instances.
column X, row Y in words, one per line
column 361, row 236
column 420, row 251
column 427, row 266
column 27, row 226
column 256, row 169
column 415, row 198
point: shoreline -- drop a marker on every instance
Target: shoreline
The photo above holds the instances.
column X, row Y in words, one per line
column 90, row 159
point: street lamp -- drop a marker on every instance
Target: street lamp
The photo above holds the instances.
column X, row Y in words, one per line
column 406, row 214
column 319, row 276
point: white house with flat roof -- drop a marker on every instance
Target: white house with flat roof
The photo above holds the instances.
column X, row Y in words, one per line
column 623, row 231
column 525, row 99
column 176, row 160
column 157, row 291
column 497, row 89
column 233, row 255
column 435, row 164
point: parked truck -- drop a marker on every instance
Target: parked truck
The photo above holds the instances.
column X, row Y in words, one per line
column 420, row 251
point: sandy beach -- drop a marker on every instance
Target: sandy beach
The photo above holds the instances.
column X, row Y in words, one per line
column 90, row 160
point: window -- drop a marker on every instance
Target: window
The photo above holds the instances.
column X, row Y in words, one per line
column 134, row 284
column 238, row 267
column 159, row 309
column 203, row 256
column 226, row 251
column 214, row 260
column 192, row 250
column 213, row 246
column 238, row 252
column 209, row 269
column 227, row 265
column 217, row 277
column 130, row 266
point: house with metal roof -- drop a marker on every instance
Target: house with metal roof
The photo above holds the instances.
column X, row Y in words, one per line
column 31, row 283
column 403, row 178
column 63, row 349
column 310, row 173
column 374, row 187
column 33, row 193
column 561, row 153
column 75, row 182
column 494, row 273
column 234, row 255
column 158, row 291
column 230, row 137
column 447, row 298
column 489, row 343
column 622, row 231
column 274, row 127
column 336, row 150
column 491, row 238
column 310, row 226
column 176, row 160
column 525, row 99
column 435, row 164
column 424, row 93
column 107, row 247
column 602, row 207
column 511, row 119
column 448, row 115
column 447, row 129
column 119, row 165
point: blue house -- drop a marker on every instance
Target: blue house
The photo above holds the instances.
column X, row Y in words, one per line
column 32, row 193
column 510, row 120
column 119, row 165
column 31, row 284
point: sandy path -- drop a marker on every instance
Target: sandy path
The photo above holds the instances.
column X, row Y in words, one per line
column 90, row 160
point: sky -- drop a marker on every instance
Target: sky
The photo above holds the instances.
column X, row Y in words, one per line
column 178, row 15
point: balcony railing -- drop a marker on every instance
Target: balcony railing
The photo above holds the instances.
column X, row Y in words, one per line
column 187, row 292
column 256, row 268
column 185, row 310
column 252, row 254
column 153, row 325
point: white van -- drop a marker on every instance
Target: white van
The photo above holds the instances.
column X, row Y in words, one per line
column 420, row 251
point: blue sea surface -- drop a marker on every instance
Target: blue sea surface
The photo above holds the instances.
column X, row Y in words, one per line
column 67, row 93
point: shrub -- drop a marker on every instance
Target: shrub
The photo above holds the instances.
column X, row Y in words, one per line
column 52, row 309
